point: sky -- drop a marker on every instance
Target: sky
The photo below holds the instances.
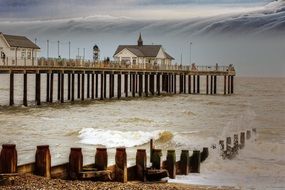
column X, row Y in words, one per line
column 246, row 33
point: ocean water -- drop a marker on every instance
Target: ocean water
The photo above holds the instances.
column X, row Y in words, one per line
column 175, row 122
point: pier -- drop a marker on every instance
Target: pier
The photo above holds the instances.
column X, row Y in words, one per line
column 83, row 80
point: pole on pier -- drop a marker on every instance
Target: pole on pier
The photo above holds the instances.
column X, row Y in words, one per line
column 119, row 88
column 92, row 86
column 43, row 161
column 88, row 85
column 102, row 86
column 75, row 163
column 58, row 86
column 141, row 162
column 225, row 84
column 78, row 85
column 25, row 89
column 72, row 87
column 158, row 83
column 195, row 161
column 62, row 88
column 38, row 89
column 126, row 84
column 207, row 84
column 101, row 159
column 140, row 84
column 68, row 86
column 11, row 89
column 198, row 84
column 82, row 86
column 171, row 163
column 146, row 84
column 8, row 159
column 51, row 88
column 121, row 171
column 184, row 162
column 48, row 87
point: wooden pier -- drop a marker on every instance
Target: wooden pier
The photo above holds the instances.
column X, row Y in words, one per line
column 93, row 78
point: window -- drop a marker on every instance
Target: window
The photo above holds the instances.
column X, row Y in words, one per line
column 23, row 54
column 29, row 55
column 134, row 60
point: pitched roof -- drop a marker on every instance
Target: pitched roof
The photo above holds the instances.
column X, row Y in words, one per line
column 20, row 41
column 142, row 51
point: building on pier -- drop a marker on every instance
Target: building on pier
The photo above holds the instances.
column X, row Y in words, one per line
column 142, row 54
column 17, row 50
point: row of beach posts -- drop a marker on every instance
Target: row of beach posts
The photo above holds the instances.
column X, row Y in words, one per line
column 100, row 171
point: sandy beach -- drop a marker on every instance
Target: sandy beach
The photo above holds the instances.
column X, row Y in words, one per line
column 31, row 182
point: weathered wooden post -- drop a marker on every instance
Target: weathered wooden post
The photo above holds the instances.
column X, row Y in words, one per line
column 102, row 86
column 171, row 163
column 43, row 161
column 225, row 84
column 101, row 159
column 51, row 88
column 62, row 88
column 75, row 163
column 180, row 83
column 232, row 84
column 156, row 158
column 215, row 84
column 195, row 161
column 194, row 84
column 175, row 84
column 119, row 85
column 72, row 87
column 8, row 159
column 184, row 83
column 11, row 89
column 211, row 85
column 105, row 85
column 242, row 139
column 126, row 84
column 248, row 134
column 47, row 87
column 140, row 84
column 158, row 84
column 146, row 84
column 141, row 164
column 151, row 83
column 151, row 147
column 236, row 147
column 228, row 144
column 198, row 84
column 204, row 154
column 121, row 171
column 96, row 85
column 222, row 145
column 189, row 84
column 69, row 86
column 229, row 84
column 82, row 86
column 38, row 89
column 78, row 85
column 88, row 86
column 254, row 131
column 25, row 89
column 207, row 84
column 58, row 86
column 134, row 84
column 184, row 162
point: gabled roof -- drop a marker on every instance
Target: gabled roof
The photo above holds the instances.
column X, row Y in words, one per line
column 19, row 41
column 141, row 51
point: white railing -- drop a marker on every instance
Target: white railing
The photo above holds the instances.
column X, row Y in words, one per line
column 66, row 63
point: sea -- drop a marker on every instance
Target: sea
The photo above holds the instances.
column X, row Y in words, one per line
column 181, row 121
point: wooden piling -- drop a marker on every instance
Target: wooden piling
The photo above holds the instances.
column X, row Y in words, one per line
column 134, row 84
column 126, row 84
column 194, row 84
column 229, row 84
column 151, row 83
column 204, row 154
column 248, row 134
column 228, row 144
column 47, row 87
column 51, row 88
column 72, row 87
column 140, row 84
column 171, row 163
column 222, row 145
column 207, row 84
column 151, row 147
column 119, row 85
column 38, row 89
column 58, row 86
column 242, row 139
column 195, row 161
column 101, row 159
column 146, row 84
column 62, row 88
column 141, row 161
column 121, row 165
column 75, row 163
column 11, row 89
column 102, row 86
column 69, row 86
column 78, row 85
column 232, row 84
column 211, row 85
column 25, row 89
column 8, row 159
column 175, row 84
column 184, row 162
column 225, row 84
column 215, row 84
column 236, row 146
column 96, row 85
column 88, row 86
column 156, row 158
column 43, row 161
column 198, row 84
column 82, row 86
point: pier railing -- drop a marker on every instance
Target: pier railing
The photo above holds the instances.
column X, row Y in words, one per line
column 71, row 63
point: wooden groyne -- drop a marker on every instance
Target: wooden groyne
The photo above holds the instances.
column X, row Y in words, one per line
column 100, row 171
column 89, row 80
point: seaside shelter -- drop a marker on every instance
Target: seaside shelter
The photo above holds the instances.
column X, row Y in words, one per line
column 17, row 50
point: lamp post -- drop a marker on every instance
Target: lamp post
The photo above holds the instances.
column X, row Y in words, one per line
column 190, row 56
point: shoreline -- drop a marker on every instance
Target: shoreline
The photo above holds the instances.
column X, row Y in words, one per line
column 32, row 182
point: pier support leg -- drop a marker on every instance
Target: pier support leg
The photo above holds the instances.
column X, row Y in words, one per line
column 110, row 85
column 194, row 84
column 146, row 84
column 151, row 84
column 189, row 84
column 121, row 171
column 58, row 86
column 8, row 158
column 25, row 89
column 72, row 87
column 133, row 84
column 229, row 84
column 211, row 85
column 171, row 163
column 68, row 86
column 92, row 86
column 181, row 83
column 184, row 83
column 43, row 161
column 184, row 162
column 207, row 84
column 158, row 83
column 47, row 87
column 232, row 84
column 11, row 89
column 62, row 88
column 78, row 85
column 215, row 84
column 198, row 84
column 126, row 84
column 88, row 85
column 119, row 87
column 82, row 86
column 102, row 86
column 38, row 89
column 140, row 84
column 105, row 85
column 141, row 164
column 175, row 84
column 225, row 84
column 51, row 88
column 96, row 85
column 75, row 163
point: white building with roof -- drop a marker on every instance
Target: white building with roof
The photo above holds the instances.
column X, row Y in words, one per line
column 17, row 50
column 142, row 54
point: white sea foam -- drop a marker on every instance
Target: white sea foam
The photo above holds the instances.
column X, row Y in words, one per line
column 115, row 138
